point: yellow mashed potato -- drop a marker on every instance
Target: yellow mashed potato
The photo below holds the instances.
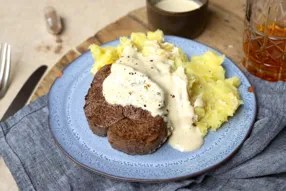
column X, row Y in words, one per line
column 206, row 76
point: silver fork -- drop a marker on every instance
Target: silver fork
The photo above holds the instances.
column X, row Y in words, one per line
column 5, row 57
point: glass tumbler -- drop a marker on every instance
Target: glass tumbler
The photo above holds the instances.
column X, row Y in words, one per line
column 264, row 39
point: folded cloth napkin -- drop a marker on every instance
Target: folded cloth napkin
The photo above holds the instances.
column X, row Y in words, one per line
column 37, row 164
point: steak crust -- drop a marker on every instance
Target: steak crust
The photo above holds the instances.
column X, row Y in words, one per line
column 129, row 129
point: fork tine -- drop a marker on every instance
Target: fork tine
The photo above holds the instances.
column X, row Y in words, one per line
column 3, row 57
column 1, row 65
column 7, row 68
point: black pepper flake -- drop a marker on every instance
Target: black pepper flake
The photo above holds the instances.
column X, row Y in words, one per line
column 159, row 105
column 167, row 110
column 152, row 67
column 173, row 96
column 144, row 105
column 136, row 63
column 151, row 60
column 128, row 56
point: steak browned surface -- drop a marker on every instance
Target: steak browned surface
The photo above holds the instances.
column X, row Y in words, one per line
column 129, row 129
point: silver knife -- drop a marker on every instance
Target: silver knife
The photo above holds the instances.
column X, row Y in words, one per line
column 24, row 94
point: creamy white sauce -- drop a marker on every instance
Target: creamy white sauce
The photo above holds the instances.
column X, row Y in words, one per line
column 199, row 102
column 126, row 86
column 180, row 112
column 185, row 136
column 178, row 5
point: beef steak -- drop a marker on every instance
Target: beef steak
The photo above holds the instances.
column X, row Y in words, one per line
column 129, row 129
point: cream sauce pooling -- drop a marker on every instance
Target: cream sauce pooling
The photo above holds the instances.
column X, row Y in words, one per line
column 125, row 86
column 177, row 5
column 181, row 116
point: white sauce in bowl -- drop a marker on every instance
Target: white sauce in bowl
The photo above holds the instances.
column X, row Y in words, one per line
column 172, row 87
column 178, row 5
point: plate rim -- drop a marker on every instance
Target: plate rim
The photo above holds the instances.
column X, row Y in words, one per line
column 144, row 180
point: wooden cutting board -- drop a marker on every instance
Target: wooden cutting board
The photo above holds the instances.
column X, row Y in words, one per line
column 223, row 32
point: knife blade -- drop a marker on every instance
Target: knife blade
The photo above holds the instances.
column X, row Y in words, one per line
column 25, row 92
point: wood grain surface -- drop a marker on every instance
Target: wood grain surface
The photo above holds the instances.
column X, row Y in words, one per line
column 223, row 32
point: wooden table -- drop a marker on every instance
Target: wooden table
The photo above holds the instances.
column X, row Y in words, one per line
column 223, row 32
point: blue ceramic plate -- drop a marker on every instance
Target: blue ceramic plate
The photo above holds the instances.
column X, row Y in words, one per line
column 70, row 129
